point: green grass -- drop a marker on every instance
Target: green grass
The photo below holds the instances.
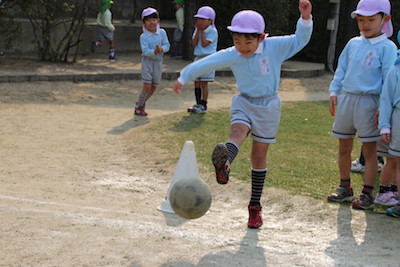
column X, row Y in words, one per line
column 303, row 161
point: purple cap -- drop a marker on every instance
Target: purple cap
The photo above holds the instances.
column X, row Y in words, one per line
column 206, row 12
column 247, row 21
column 372, row 7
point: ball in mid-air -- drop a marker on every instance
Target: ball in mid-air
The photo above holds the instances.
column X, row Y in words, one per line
column 190, row 198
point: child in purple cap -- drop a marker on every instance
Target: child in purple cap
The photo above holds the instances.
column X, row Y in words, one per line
column 204, row 40
column 354, row 95
column 256, row 63
column 154, row 43
column 389, row 121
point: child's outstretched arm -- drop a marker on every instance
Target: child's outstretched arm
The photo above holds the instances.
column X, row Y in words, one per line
column 177, row 87
column 305, row 8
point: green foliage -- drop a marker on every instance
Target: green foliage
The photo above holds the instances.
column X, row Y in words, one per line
column 9, row 28
column 57, row 26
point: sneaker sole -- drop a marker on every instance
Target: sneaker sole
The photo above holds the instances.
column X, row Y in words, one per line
column 385, row 204
column 357, row 206
column 346, row 199
column 219, row 158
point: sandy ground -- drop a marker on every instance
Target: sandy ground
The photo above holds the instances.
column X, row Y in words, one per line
column 80, row 186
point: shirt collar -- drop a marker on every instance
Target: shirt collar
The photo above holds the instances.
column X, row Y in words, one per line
column 375, row 40
column 151, row 33
column 260, row 48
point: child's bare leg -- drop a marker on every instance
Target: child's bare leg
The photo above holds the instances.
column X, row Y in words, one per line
column 388, row 172
column 344, row 158
column 371, row 164
column 238, row 133
column 259, row 155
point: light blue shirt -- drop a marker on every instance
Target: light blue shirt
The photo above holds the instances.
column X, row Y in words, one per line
column 148, row 42
column 363, row 65
column 211, row 34
column 259, row 74
column 390, row 98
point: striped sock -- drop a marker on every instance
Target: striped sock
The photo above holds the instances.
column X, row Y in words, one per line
column 142, row 99
column 367, row 189
column 345, row 183
column 233, row 150
column 257, row 185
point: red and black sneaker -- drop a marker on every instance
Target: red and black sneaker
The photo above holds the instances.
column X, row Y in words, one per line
column 221, row 163
column 140, row 111
column 255, row 217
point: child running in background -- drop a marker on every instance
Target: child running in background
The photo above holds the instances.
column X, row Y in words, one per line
column 154, row 43
column 256, row 63
column 354, row 95
column 204, row 40
column 105, row 29
column 389, row 120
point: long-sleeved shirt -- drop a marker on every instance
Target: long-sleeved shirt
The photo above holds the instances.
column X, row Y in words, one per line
column 390, row 98
column 180, row 18
column 211, row 34
column 105, row 20
column 148, row 42
column 259, row 74
column 363, row 65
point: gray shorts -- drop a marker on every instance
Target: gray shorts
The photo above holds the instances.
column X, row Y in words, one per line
column 177, row 35
column 383, row 149
column 394, row 144
column 355, row 114
column 104, row 33
column 151, row 71
column 261, row 114
column 208, row 77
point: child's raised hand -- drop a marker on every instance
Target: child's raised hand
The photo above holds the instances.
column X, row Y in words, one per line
column 177, row 87
column 305, row 8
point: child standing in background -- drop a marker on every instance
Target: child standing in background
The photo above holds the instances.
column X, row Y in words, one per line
column 256, row 64
column 354, row 95
column 154, row 43
column 178, row 32
column 204, row 40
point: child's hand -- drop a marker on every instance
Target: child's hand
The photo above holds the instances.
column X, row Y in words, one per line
column 158, row 50
column 305, row 8
column 177, row 87
column 332, row 105
column 376, row 119
column 386, row 137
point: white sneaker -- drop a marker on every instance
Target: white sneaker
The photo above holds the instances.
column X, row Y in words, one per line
column 386, row 199
column 356, row 166
column 199, row 109
column 380, row 166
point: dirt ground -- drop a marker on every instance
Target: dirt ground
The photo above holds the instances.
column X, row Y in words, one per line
column 80, row 186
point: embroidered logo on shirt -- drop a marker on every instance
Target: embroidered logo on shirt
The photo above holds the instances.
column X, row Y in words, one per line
column 368, row 58
column 264, row 66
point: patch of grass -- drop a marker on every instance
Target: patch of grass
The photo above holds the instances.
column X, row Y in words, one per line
column 303, row 161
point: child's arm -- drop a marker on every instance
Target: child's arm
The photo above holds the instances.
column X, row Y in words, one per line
column 305, row 8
